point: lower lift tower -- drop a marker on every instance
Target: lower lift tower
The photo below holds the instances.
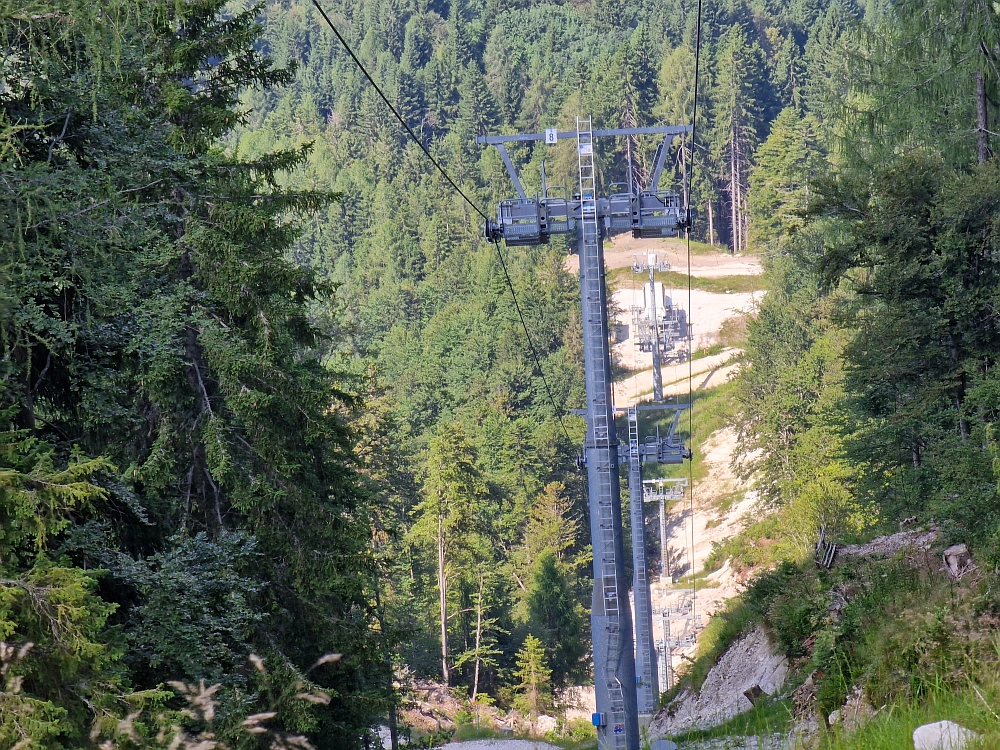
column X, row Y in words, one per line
column 532, row 221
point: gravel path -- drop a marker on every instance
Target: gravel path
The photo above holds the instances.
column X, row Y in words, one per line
column 502, row 745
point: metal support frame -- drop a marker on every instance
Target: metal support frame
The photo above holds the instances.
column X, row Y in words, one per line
column 647, row 684
column 531, row 221
column 660, row 491
column 611, row 621
column 653, row 332
column 648, row 213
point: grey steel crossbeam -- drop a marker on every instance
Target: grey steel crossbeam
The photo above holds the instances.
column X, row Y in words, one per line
column 492, row 140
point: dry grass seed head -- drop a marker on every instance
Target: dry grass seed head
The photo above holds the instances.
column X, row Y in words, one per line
column 326, row 659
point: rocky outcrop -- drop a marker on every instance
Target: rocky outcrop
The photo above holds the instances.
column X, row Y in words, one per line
column 750, row 665
column 887, row 546
column 855, row 712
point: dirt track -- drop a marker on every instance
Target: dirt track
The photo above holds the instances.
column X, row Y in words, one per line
column 621, row 252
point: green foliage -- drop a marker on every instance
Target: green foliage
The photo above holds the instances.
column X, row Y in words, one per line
column 736, row 118
column 210, row 635
column 552, row 605
column 52, row 636
column 787, row 162
column 149, row 316
column 534, row 690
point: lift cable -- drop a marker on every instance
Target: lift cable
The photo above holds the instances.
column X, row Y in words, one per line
column 464, row 196
column 688, row 166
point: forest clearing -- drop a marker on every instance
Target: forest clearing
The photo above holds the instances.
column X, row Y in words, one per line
column 602, row 375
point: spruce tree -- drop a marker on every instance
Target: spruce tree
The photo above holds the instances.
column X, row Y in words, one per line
column 534, row 690
column 152, row 318
column 448, row 520
column 787, row 163
column 736, row 111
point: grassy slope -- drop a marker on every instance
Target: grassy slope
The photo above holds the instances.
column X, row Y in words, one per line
column 621, row 278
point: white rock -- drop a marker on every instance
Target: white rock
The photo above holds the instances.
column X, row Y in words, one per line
column 958, row 559
column 751, row 661
column 942, row 735
column 545, row 724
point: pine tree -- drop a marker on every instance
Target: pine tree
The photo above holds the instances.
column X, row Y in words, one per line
column 787, row 163
column 934, row 76
column 534, row 689
column 172, row 336
column 448, row 518
column 790, row 74
column 828, row 74
column 554, row 610
column 736, row 116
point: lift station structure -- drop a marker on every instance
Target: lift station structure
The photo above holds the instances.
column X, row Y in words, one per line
column 621, row 693
column 658, row 326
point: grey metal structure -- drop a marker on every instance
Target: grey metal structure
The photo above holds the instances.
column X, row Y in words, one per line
column 533, row 220
column 660, row 491
column 669, row 450
column 675, row 639
column 657, row 326
column 647, row 684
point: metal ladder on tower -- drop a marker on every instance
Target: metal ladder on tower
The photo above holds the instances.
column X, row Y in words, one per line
column 645, row 660
column 594, row 296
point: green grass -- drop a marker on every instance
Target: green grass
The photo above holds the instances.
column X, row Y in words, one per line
column 710, row 351
column 466, row 732
column 697, row 248
column 712, row 410
column 699, row 581
column 623, row 278
column 893, row 727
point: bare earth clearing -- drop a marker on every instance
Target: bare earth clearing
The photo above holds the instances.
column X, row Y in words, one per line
column 620, row 252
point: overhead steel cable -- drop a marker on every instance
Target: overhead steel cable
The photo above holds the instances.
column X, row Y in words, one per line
column 402, row 121
column 444, row 173
column 689, row 165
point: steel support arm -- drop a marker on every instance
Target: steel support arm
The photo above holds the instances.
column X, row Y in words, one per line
column 668, row 130
column 510, row 169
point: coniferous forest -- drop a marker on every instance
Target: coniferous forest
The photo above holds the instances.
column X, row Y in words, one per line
column 273, row 440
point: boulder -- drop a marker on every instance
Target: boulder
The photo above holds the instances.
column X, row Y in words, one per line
column 855, row 712
column 942, row 735
column 545, row 724
column 958, row 560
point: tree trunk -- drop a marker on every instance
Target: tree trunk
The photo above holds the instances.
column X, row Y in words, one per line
column 393, row 720
column 479, row 636
column 741, row 207
column 982, row 123
column 734, row 226
column 711, row 225
column 443, row 601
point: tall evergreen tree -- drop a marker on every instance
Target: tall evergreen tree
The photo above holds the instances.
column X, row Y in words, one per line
column 788, row 162
column 152, row 318
column 736, row 112
column 449, row 519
